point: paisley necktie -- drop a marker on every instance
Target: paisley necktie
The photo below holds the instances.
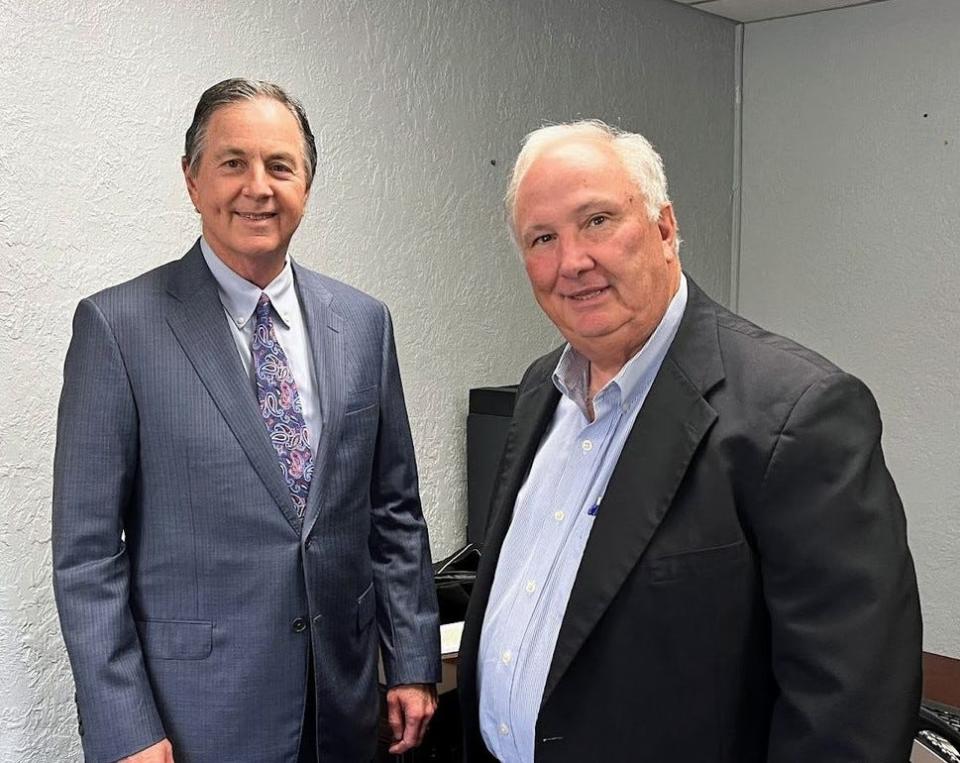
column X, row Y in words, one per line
column 281, row 407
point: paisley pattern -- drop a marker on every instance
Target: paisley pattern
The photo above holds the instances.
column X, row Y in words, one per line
column 281, row 407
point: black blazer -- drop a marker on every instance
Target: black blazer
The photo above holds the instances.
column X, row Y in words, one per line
column 746, row 593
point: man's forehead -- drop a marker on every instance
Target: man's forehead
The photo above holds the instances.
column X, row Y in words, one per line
column 569, row 166
column 253, row 113
column 577, row 153
column 564, row 162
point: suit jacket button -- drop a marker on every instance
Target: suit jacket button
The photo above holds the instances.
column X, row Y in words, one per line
column 299, row 625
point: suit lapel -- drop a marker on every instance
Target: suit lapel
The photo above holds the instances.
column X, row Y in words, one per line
column 324, row 327
column 532, row 414
column 673, row 420
column 196, row 317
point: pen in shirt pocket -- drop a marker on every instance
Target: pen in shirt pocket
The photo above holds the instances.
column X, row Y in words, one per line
column 592, row 511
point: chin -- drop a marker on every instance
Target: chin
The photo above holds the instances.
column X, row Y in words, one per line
column 259, row 249
column 593, row 329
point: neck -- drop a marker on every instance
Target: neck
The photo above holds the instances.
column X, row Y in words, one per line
column 259, row 269
column 259, row 273
column 611, row 353
column 606, row 362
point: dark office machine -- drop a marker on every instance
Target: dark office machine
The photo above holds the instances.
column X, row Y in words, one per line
column 488, row 419
column 487, row 423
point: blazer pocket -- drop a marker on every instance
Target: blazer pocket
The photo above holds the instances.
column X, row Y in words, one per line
column 176, row 639
column 362, row 399
column 366, row 608
column 704, row 561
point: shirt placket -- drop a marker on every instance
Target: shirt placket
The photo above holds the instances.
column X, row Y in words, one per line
column 568, row 531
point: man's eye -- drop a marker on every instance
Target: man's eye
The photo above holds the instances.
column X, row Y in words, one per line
column 598, row 220
column 281, row 168
column 542, row 239
column 232, row 164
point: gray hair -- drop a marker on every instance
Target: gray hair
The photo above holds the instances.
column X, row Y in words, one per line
column 235, row 90
column 637, row 154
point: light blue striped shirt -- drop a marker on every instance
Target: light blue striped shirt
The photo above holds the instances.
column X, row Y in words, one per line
column 552, row 519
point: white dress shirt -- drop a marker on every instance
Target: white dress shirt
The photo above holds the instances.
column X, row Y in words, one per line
column 239, row 298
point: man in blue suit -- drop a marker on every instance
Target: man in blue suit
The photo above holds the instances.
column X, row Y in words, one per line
column 236, row 518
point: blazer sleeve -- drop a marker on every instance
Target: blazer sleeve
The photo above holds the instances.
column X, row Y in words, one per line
column 399, row 547
column 839, row 585
column 95, row 468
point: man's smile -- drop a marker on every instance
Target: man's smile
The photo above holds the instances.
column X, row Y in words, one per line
column 255, row 216
column 585, row 295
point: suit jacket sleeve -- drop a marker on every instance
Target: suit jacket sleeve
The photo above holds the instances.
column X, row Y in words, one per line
column 94, row 473
column 399, row 546
column 839, row 584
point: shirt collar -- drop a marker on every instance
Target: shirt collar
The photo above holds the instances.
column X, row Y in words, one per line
column 572, row 374
column 239, row 296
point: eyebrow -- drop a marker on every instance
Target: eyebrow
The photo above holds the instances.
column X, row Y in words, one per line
column 597, row 202
column 230, row 151
column 594, row 203
column 287, row 157
column 234, row 151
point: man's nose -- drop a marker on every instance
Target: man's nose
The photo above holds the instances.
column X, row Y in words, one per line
column 574, row 255
column 258, row 182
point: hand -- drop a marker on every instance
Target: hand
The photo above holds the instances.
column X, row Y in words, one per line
column 409, row 710
column 161, row 752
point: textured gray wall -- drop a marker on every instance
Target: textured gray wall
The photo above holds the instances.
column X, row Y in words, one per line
column 851, row 131
column 411, row 102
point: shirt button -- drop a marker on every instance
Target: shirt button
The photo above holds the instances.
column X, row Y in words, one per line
column 504, row 729
column 531, row 586
column 559, row 516
column 299, row 625
column 587, row 446
column 506, row 657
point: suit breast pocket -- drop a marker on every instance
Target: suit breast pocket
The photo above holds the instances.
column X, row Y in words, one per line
column 700, row 563
column 362, row 400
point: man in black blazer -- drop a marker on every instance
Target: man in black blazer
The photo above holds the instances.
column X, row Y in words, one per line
column 695, row 550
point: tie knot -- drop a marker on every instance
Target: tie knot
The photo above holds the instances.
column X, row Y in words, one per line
column 263, row 308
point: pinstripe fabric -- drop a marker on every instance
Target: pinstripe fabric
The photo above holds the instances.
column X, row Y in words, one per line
column 190, row 626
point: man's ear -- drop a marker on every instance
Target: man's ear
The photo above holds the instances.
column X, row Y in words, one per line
column 190, row 181
column 667, row 224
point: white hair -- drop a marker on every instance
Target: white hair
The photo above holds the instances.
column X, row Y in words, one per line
column 637, row 154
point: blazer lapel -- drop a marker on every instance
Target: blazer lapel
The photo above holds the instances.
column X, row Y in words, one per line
column 324, row 327
column 196, row 318
column 532, row 414
column 673, row 420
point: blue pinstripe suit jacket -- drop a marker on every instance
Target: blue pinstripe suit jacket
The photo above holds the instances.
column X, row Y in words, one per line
column 182, row 574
